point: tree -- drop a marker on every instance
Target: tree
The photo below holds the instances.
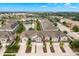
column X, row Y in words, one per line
column 65, row 32
column 38, row 25
column 50, row 41
column 31, row 29
column 75, row 44
column 76, row 18
column 75, row 29
column 0, row 44
column 57, row 19
column 55, row 24
column 61, row 44
column 20, row 28
column 29, row 42
column 64, row 23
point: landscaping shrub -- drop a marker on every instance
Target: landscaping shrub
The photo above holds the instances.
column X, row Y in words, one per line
column 0, row 45
column 38, row 25
column 74, row 44
column 55, row 24
column 61, row 46
column 50, row 41
column 75, row 29
column 29, row 46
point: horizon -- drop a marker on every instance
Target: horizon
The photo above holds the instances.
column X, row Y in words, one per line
column 39, row 7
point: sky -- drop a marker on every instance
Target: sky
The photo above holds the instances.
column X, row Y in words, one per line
column 40, row 7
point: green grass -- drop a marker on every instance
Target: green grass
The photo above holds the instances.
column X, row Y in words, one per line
column 9, row 54
column 13, row 47
column 20, row 28
column 38, row 26
column 75, row 29
column 74, row 44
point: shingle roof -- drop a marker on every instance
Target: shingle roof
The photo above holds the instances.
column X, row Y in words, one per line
column 43, row 33
column 9, row 25
column 4, row 34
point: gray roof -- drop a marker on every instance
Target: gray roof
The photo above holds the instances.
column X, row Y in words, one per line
column 43, row 33
column 4, row 34
column 47, row 25
column 9, row 25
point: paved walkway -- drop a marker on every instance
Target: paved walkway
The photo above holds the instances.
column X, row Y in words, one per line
column 2, row 50
column 22, row 50
column 57, row 50
column 68, row 50
column 39, row 49
column 48, row 48
column 33, row 49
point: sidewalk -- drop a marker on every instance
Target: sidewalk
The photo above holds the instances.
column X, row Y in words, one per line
column 2, row 50
column 22, row 50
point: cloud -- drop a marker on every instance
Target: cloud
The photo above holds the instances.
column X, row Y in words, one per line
column 72, row 7
column 58, row 6
column 44, row 6
column 69, row 5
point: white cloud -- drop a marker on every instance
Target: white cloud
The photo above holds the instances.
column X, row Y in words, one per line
column 72, row 7
column 58, row 6
column 44, row 6
column 67, row 4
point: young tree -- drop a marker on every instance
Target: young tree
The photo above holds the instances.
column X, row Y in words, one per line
column 75, row 29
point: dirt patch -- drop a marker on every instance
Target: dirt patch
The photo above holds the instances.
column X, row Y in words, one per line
column 44, row 50
column 52, row 49
column 75, row 49
column 28, row 49
column 63, row 50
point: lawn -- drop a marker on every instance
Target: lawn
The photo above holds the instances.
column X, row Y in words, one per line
column 9, row 54
column 74, row 45
column 38, row 26
column 20, row 28
column 75, row 28
column 14, row 46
